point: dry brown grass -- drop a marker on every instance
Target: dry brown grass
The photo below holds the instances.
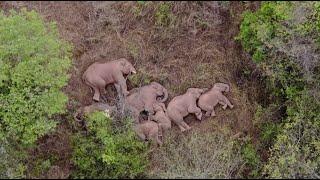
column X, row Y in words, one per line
column 197, row 155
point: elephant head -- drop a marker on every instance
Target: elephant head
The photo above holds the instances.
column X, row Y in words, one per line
column 160, row 91
column 196, row 92
column 126, row 67
column 221, row 87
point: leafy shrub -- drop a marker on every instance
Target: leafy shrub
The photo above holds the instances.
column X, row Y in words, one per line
column 296, row 152
column 108, row 151
column 282, row 38
column 163, row 14
column 252, row 159
column 33, row 69
column 211, row 155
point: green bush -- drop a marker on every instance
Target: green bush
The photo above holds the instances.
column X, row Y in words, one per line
column 283, row 39
column 109, row 151
column 163, row 16
column 33, row 69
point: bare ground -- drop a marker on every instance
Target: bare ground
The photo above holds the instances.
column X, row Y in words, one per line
column 195, row 49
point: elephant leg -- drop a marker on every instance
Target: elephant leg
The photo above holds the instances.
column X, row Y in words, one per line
column 185, row 125
column 227, row 102
column 142, row 137
column 194, row 109
column 96, row 95
column 140, row 133
column 135, row 115
column 98, row 88
column 207, row 108
column 208, row 113
column 182, row 129
column 199, row 115
column 213, row 113
column 154, row 135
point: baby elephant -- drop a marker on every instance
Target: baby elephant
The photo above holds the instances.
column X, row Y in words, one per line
column 180, row 106
column 98, row 75
column 210, row 99
column 148, row 130
column 161, row 117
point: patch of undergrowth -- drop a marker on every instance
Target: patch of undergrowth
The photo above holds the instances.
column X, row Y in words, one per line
column 163, row 14
column 33, row 69
column 109, row 150
column 283, row 39
column 198, row 155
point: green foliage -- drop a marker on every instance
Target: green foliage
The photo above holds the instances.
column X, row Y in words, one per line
column 274, row 36
column 41, row 166
column 296, row 150
column 268, row 132
column 261, row 26
column 108, row 151
column 251, row 158
column 33, row 69
column 163, row 15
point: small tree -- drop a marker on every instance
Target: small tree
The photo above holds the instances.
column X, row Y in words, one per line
column 33, row 69
column 110, row 150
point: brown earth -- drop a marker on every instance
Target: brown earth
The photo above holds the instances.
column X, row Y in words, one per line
column 195, row 48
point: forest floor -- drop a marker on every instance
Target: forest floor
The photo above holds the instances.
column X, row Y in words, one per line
column 190, row 46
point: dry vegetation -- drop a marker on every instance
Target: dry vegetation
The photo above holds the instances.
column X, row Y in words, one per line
column 178, row 44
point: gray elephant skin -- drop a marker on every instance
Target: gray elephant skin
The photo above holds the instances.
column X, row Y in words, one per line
column 148, row 130
column 214, row 96
column 180, row 106
column 161, row 117
column 98, row 75
column 144, row 97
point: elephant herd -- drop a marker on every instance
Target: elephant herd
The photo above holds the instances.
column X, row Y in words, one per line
column 150, row 98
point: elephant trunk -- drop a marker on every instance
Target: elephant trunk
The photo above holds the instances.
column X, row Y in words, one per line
column 165, row 92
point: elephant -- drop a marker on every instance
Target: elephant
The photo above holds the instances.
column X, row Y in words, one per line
column 161, row 117
column 98, row 75
column 214, row 96
column 180, row 106
column 148, row 130
column 86, row 110
column 83, row 111
column 144, row 97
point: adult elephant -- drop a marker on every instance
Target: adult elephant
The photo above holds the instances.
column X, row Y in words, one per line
column 98, row 75
column 180, row 106
column 144, row 97
column 213, row 97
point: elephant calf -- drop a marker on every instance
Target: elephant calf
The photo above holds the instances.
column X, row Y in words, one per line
column 148, row 130
column 161, row 117
column 181, row 106
column 144, row 97
column 214, row 96
column 98, row 75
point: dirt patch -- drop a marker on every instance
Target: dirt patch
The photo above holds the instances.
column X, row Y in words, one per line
column 194, row 47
